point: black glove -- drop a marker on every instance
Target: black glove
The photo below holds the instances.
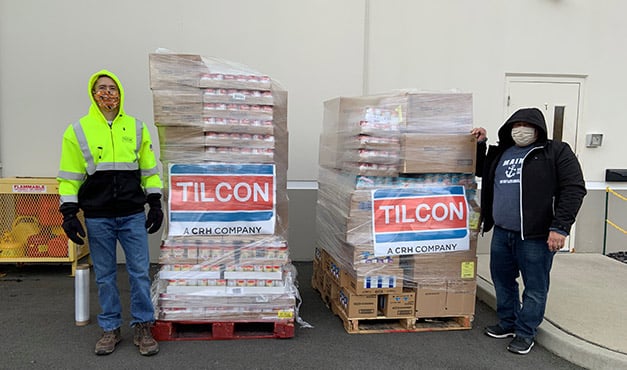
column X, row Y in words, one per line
column 71, row 225
column 155, row 214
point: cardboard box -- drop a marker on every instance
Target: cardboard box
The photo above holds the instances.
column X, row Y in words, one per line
column 398, row 304
column 389, row 281
column 446, row 298
column 168, row 70
column 440, row 266
column 332, row 269
column 346, row 119
column 428, row 153
column 317, row 255
column 361, row 257
column 327, row 282
column 334, row 294
column 316, row 276
column 461, row 297
column 175, row 70
column 439, row 112
column 357, row 305
column 431, row 299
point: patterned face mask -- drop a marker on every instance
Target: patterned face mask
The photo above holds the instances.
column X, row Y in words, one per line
column 107, row 99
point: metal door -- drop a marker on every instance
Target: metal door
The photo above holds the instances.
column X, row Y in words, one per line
column 558, row 101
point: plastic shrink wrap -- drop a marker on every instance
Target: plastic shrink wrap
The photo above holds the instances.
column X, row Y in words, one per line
column 223, row 145
column 397, row 210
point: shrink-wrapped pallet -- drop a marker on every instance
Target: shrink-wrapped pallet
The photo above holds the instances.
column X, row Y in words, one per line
column 397, row 214
column 224, row 146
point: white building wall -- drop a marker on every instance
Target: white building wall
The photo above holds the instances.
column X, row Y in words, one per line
column 317, row 50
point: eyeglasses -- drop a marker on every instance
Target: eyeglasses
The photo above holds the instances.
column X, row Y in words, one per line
column 106, row 88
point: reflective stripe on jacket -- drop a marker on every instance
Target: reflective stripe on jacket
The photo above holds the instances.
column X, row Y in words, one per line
column 107, row 169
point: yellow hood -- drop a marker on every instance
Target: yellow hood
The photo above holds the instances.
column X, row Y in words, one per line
column 93, row 109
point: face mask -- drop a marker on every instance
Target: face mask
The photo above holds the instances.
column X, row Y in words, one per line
column 108, row 100
column 523, row 136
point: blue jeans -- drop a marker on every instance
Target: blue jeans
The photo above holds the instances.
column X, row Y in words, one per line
column 509, row 256
column 103, row 235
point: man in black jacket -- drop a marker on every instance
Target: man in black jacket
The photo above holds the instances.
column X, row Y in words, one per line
column 531, row 191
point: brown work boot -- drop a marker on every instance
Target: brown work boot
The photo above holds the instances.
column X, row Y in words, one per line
column 148, row 346
column 108, row 341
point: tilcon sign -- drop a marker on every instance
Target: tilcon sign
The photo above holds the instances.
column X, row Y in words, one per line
column 221, row 199
column 420, row 220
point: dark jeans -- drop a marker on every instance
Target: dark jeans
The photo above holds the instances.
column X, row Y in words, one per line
column 509, row 257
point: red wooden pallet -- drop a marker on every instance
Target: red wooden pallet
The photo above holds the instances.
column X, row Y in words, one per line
column 203, row 330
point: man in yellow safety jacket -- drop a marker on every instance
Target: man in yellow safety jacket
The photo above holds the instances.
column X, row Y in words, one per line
column 109, row 171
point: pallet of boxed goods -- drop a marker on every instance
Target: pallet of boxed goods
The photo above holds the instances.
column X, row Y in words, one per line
column 425, row 307
column 391, row 324
column 225, row 269
column 397, row 215
column 373, row 325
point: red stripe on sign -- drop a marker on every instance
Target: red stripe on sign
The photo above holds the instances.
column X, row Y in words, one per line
column 420, row 213
column 221, row 193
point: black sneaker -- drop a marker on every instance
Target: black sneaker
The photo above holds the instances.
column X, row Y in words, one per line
column 520, row 345
column 496, row 331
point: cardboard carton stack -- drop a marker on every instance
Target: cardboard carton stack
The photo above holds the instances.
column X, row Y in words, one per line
column 223, row 145
column 396, row 211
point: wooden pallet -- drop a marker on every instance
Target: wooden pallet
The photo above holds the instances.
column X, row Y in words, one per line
column 202, row 330
column 382, row 324
column 444, row 323
column 373, row 325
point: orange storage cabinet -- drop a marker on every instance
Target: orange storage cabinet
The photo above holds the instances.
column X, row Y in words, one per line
column 30, row 223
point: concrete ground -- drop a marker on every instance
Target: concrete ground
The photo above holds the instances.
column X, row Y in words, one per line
column 37, row 330
column 583, row 320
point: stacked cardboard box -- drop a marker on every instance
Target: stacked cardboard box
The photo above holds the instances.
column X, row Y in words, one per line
column 370, row 135
column 223, row 145
column 406, row 146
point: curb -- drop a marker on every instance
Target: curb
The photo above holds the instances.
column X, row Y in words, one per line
column 565, row 345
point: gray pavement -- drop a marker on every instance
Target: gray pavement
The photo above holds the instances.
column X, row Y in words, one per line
column 37, row 331
column 583, row 320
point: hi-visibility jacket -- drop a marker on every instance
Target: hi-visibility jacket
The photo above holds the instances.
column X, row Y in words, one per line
column 107, row 169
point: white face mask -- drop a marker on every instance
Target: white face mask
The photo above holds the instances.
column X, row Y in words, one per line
column 524, row 136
